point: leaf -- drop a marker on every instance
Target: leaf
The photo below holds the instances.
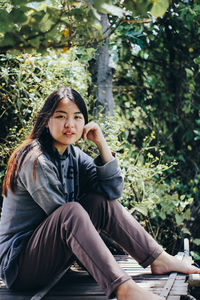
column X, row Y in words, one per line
column 182, row 197
column 94, row 14
column 4, row 27
column 35, row 42
column 130, row 5
column 162, row 215
column 187, row 214
column 9, row 40
column 190, row 200
column 113, row 10
column 19, row 2
column 179, row 219
column 195, row 255
column 197, row 138
column 22, row 2
column 17, row 15
column 4, row 21
column 196, row 242
column 186, row 231
column 142, row 209
column 181, row 158
column 159, row 8
column 197, row 132
column 98, row 3
column 189, row 72
column 138, row 7
column 46, row 23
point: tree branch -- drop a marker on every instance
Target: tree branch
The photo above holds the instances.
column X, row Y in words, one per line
column 111, row 31
column 137, row 21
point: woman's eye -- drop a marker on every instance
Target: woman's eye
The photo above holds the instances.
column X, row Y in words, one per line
column 60, row 117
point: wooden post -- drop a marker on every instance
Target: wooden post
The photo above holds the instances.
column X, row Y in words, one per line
column 194, row 279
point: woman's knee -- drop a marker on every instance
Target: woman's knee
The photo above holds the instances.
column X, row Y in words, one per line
column 93, row 201
column 72, row 211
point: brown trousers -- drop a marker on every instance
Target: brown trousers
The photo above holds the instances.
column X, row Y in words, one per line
column 73, row 229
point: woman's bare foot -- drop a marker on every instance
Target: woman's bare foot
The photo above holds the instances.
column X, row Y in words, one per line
column 129, row 290
column 166, row 263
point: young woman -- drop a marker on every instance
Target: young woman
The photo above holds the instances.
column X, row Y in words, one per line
column 56, row 201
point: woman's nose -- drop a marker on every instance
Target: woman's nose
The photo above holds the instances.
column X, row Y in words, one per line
column 69, row 122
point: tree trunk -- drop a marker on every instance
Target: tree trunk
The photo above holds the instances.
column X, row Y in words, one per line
column 102, row 75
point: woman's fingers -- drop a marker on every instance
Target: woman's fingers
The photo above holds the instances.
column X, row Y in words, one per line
column 93, row 132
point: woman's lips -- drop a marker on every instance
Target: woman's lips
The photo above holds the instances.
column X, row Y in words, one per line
column 69, row 133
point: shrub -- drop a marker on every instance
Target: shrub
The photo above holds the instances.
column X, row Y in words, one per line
column 27, row 79
column 155, row 203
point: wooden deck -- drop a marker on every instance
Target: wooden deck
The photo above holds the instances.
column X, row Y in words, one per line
column 79, row 285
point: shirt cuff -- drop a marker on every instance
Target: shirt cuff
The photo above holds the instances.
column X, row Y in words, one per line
column 108, row 169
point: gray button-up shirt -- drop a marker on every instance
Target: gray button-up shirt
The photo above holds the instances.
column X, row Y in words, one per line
column 56, row 180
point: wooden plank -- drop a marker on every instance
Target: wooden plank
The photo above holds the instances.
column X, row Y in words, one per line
column 79, row 285
column 64, row 297
column 52, row 297
column 175, row 285
column 194, row 280
column 167, row 288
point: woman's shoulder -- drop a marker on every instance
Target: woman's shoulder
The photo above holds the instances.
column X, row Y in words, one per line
column 36, row 156
column 81, row 157
column 77, row 153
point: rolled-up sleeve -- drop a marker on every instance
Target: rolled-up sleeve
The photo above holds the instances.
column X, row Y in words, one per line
column 44, row 187
column 102, row 178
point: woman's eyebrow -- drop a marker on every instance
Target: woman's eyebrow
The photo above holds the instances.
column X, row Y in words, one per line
column 60, row 111
column 64, row 112
column 78, row 112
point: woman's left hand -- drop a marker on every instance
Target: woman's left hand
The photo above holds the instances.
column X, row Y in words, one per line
column 93, row 132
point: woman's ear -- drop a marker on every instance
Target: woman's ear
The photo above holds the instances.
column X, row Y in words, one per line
column 84, row 134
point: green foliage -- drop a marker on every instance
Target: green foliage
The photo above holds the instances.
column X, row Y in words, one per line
column 28, row 25
column 155, row 111
column 26, row 80
column 61, row 24
column 159, row 8
column 157, row 86
column 147, row 195
column 158, row 75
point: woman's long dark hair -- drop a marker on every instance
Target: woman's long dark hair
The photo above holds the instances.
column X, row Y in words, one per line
column 41, row 134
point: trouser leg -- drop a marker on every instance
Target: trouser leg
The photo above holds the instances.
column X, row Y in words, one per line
column 114, row 219
column 68, row 231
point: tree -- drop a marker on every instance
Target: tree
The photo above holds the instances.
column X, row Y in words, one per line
column 25, row 24
column 157, row 87
column 144, row 176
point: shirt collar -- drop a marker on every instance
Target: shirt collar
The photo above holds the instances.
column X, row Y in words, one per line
column 61, row 156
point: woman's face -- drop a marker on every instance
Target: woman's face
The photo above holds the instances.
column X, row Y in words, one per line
column 66, row 125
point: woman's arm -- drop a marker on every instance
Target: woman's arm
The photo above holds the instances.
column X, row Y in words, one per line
column 103, row 175
column 93, row 132
column 45, row 188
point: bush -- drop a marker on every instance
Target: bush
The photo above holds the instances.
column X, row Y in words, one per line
column 27, row 79
column 155, row 203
